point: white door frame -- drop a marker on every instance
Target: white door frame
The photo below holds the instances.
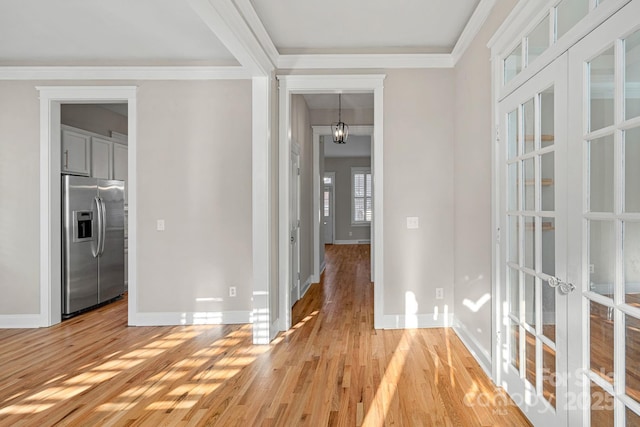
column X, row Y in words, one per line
column 294, row 227
column 319, row 131
column 332, row 215
column 50, row 193
column 299, row 84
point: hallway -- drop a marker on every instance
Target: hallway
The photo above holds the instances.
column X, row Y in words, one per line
column 331, row 368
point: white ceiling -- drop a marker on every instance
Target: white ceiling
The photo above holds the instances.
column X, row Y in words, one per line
column 357, row 26
column 170, row 32
column 356, row 146
column 350, row 101
column 101, row 32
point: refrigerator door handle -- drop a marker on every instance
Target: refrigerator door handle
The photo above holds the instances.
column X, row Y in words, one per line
column 99, row 227
column 104, row 225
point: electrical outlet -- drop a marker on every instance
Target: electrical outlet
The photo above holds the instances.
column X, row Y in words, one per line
column 413, row 222
column 439, row 293
column 232, row 291
column 592, row 268
column 160, row 225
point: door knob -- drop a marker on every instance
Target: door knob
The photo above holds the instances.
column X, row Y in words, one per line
column 565, row 287
column 293, row 239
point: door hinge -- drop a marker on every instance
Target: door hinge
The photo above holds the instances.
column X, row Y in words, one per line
column 497, row 134
column 498, row 235
column 298, row 171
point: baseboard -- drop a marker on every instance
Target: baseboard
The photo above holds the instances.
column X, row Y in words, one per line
column 20, row 321
column 402, row 321
column 352, row 242
column 192, row 318
column 274, row 330
column 323, row 267
column 306, row 286
column 478, row 352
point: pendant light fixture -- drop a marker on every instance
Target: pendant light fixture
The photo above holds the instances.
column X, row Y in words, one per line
column 340, row 129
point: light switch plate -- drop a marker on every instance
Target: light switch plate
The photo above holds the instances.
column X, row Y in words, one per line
column 412, row 222
column 160, row 225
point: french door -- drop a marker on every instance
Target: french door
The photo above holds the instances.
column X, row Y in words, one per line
column 570, row 214
column 533, row 155
column 604, row 212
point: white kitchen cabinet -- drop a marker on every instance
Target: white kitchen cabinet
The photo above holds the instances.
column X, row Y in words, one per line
column 120, row 165
column 76, row 152
column 101, row 158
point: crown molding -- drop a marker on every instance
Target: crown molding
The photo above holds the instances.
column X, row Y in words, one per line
column 477, row 20
column 379, row 61
column 124, row 73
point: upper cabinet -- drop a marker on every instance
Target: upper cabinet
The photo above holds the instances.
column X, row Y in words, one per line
column 76, row 152
column 90, row 154
column 120, row 165
column 101, row 158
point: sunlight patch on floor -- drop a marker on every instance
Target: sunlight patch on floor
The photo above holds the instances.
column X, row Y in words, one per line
column 383, row 397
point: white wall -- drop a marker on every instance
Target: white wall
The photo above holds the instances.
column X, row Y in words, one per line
column 93, row 118
column 472, row 171
column 301, row 133
column 418, row 182
column 193, row 172
column 19, row 198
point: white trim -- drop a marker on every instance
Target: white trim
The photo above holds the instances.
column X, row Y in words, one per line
column 261, row 208
column 523, row 18
column 477, row 20
column 15, row 321
column 431, row 320
column 478, row 352
column 227, row 22
column 363, row 61
column 50, row 232
column 329, row 84
column 123, row 73
column 317, row 206
column 352, row 242
column 194, row 318
column 260, row 32
column 274, row 329
column 306, row 286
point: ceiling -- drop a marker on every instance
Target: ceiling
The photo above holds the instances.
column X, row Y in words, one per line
column 113, row 32
column 356, row 26
column 191, row 32
column 350, row 101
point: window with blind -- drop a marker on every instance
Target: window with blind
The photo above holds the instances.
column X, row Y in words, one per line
column 361, row 191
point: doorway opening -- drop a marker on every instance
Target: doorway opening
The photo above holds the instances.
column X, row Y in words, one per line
column 371, row 86
column 52, row 98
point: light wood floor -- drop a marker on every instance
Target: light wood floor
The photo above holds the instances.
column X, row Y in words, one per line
column 332, row 368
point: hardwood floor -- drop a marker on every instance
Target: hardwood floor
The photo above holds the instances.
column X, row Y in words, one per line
column 331, row 368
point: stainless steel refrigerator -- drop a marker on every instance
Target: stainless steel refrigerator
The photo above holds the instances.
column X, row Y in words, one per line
column 92, row 242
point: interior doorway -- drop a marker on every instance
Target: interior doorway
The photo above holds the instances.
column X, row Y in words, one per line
column 292, row 85
column 51, row 99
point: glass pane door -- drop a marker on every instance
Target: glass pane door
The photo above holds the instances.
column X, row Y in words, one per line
column 604, row 213
column 534, row 254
